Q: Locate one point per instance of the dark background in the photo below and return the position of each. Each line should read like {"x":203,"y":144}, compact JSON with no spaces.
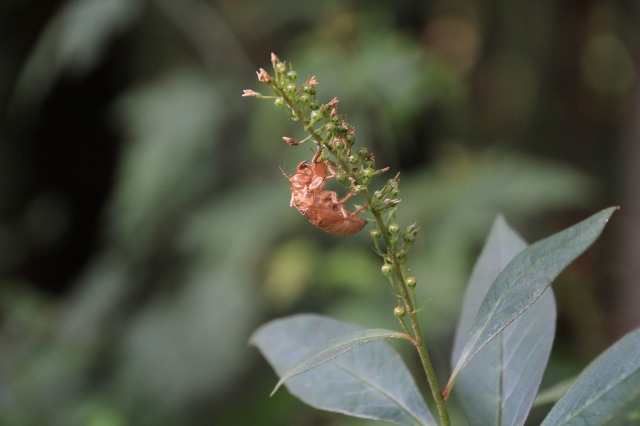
{"x":145,"y":229}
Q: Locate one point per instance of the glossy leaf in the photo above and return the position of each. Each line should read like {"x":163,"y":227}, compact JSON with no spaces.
{"x":524,"y":280}
{"x":499,"y":384}
{"x":369,"y":381}
{"x":607,"y":392}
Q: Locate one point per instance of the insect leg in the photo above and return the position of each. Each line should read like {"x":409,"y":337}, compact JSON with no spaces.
{"x":334,"y":197}
{"x":358,"y":210}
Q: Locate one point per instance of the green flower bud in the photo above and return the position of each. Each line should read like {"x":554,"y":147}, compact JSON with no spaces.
{"x":292,"y":75}
{"x":279,"y":102}
{"x":402,"y":256}
{"x":393,"y":228}
{"x":387,"y":270}
{"x":375,"y":233}
{"x":309,"y":88}
{"x":368,"y":173}
{"x":410,"y":234}
{"x":399,"y":311}
{"x":411,"y":282}
{"x":281,"y":67}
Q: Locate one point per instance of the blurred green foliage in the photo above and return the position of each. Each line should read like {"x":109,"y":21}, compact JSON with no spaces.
{"x":131,"y":164}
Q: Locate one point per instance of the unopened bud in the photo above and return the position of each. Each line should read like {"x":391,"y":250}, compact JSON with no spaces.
{"x":290,"y":141}
{"x":247,"y":92}
{"x":263,"y":76}
{"x":281,"y":67}
{"x":386,"y":270}
{"x":411,"y":281}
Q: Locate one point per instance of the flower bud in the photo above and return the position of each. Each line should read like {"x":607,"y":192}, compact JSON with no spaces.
{"x":315,"y":116}
{"x":263,"y":76}
{"x":247,"y":92}
{"x":411,"y":281}
{"x":368,"y":173}
{"x":393,"y":228}
{"x":281,"y":67}
{"x":410,"y":234}
{"x":290,"y":141}
{"x":308,"y":88}
{"x":399,"y":311}
{"x":387,"y":270}
{"x":351,"y":138}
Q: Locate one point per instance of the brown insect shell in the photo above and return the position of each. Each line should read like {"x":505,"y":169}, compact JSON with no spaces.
{"x":322,"y":208}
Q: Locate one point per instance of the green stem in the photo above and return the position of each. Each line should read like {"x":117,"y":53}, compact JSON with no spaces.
{"x":420,"y":343}
{"x":418,"y":338}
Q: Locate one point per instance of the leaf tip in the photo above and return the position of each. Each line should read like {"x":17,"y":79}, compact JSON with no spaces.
{"x":275,"y":389}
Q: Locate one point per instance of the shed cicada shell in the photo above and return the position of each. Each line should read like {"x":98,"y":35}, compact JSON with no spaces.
{"x":321,"y":207}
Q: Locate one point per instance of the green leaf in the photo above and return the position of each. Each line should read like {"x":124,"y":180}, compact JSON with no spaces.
{"x":333,"y":348}
{"x":500,"y":383}
{"x":553,"y":393}
{"x":607,"y":392}
{"x":369,"y":381}
{"x":524,"y":280}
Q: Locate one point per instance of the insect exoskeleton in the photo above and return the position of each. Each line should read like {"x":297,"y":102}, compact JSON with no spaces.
{"x":321,"y":207}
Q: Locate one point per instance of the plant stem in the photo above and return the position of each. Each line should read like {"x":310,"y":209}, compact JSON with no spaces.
{"x":420,"y":343}
{"x":427,"y":366}
{"x":418,"y":339}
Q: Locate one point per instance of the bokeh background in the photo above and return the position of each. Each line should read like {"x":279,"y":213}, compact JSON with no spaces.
{"x":145,"y":227}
